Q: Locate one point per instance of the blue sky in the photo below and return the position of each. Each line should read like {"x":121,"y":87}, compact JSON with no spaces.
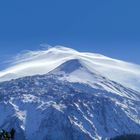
{"x":110,"y":27}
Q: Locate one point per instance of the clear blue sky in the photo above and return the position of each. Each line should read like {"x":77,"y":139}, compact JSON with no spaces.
{"x":110,"y":27}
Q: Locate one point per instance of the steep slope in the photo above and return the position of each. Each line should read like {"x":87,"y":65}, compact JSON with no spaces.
{"x":42,"y":62}
{"x":57,"y":106}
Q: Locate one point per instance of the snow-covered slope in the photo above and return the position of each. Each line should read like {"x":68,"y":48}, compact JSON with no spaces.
{"x":42,"y":62}
{"x":68,"y":95}
{"x":47,"y":107}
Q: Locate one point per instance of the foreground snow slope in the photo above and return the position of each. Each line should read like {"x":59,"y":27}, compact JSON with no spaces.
{"x":48,"y":107}
{"x":42,"y":62}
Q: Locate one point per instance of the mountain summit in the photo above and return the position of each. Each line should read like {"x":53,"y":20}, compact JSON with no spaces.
{"x":44,"y":61}
{"x":69,"y":66}
{"x":63,"y":94}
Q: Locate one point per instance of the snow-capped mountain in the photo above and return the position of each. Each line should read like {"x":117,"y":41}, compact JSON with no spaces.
{"x":62,"y":94}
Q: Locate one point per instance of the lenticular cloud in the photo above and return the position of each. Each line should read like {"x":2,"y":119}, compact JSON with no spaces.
{"x":43,"y":61}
